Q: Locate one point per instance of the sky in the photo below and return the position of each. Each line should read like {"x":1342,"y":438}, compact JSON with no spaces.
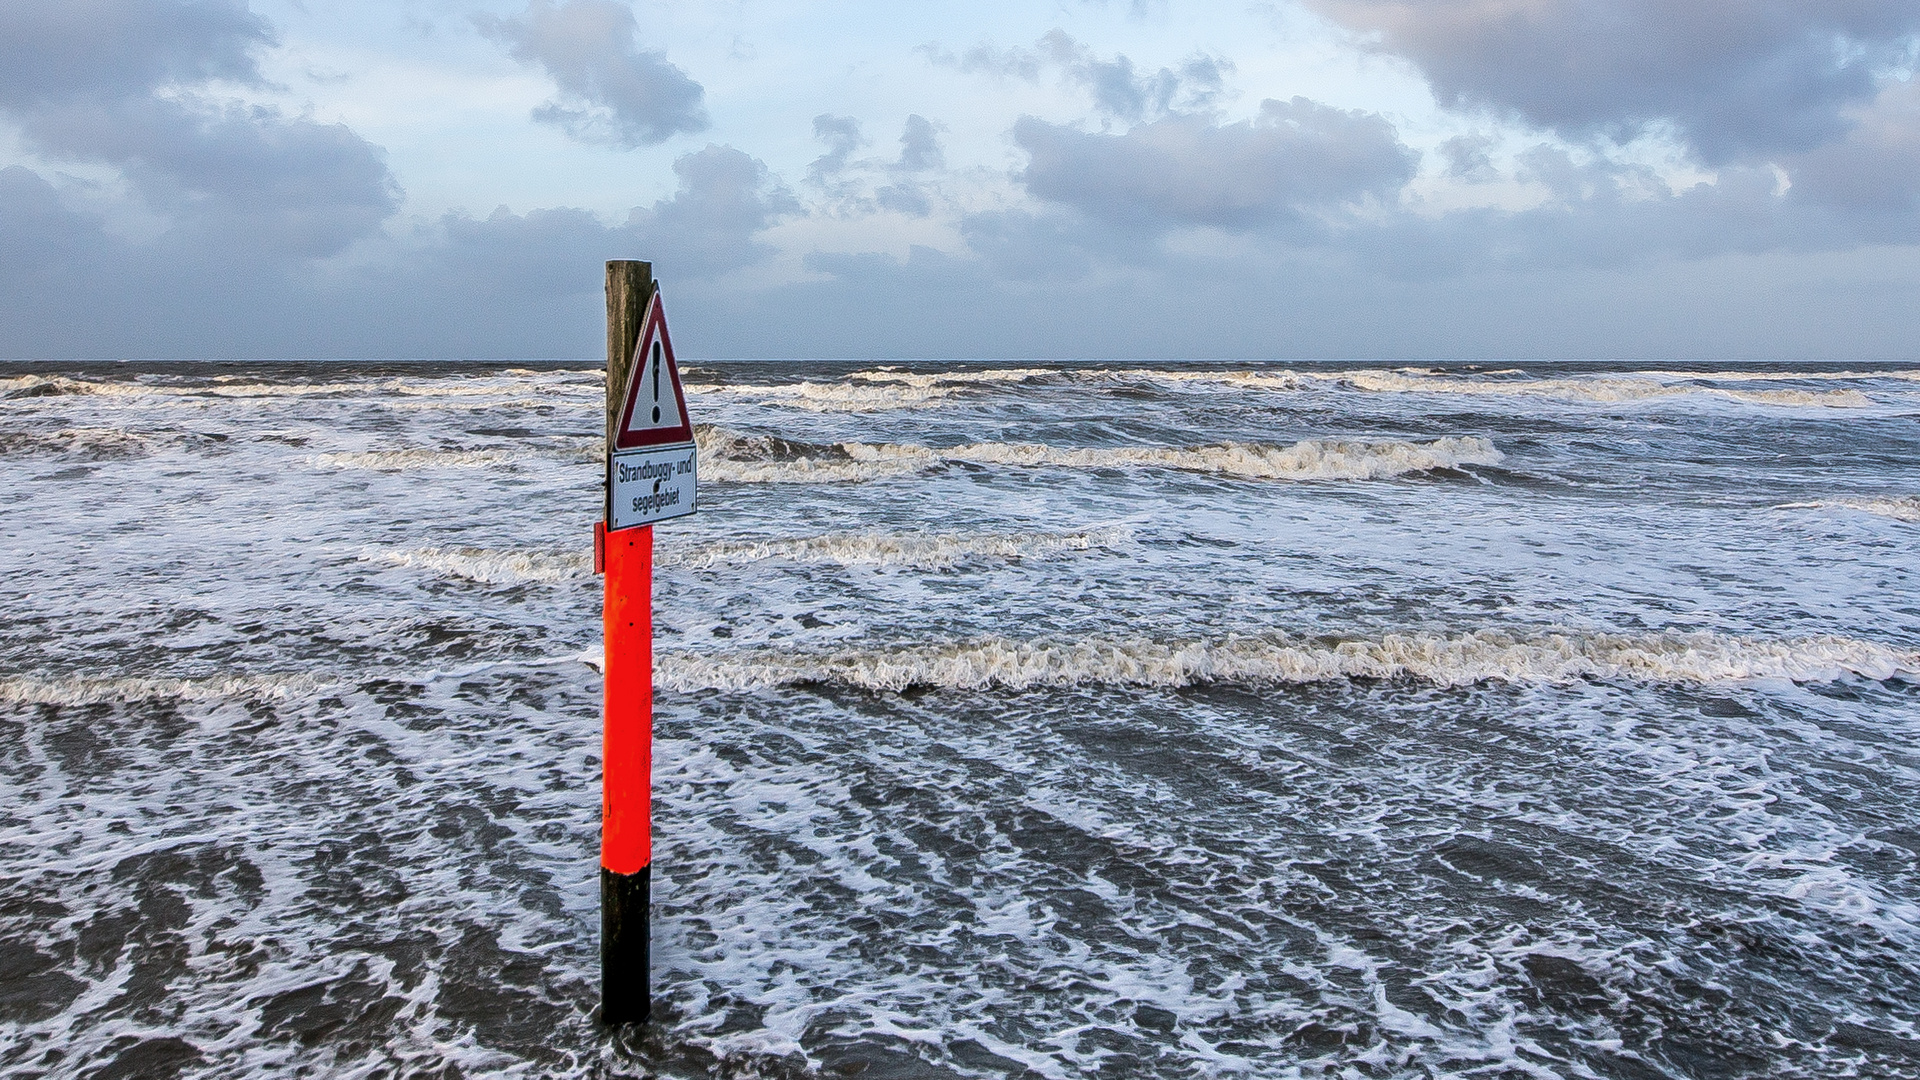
{"x":1285,"y":179}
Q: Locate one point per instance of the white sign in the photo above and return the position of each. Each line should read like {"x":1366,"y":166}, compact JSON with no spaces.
{"x":651,"y":484}
{"x":651,"y":466}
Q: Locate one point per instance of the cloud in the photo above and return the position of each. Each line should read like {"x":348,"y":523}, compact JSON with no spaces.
{"x":842,"y":136}
{"x":501,"y":285}
{"x":1117,"y":87}
{"x":612,"y":91}
{"x":1873,"y":173}
{"x":726,"y":196}
{"x":1737,"y":80}
{"x":55,"y":51}
{"x":1296,"y":160}
{"x":125,"y":84}
{"x":247,"y":178}
{"x":920,"y":146}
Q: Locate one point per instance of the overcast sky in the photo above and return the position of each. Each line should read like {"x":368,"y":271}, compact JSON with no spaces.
{"x":1419,"y":179}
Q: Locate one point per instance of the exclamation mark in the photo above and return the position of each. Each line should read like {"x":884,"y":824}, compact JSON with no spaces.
{"x":656,"y":382}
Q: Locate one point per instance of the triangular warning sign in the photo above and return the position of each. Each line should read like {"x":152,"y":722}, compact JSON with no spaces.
{"x":656,"y":409}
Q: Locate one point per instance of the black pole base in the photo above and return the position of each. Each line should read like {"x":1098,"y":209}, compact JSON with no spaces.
{"x":625,"y":995}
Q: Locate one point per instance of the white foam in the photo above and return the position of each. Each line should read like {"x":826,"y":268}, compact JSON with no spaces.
{"x":488,"y":566}
{"x":1610,"y":389}
{"x":877,"y":390}
{"x":925,"y":550}
{"x":1899,"y":508}
{"x":416,"y":458}
{"x":733,"y":456}
{"x":558,"y":384}
{"x":956,"y":378}
{"x":1463,"y":660}
{"x":93,"y":690}
{"x":1312,"y":459}
{"x":1737,"y":375}
{"x":828,"y":397}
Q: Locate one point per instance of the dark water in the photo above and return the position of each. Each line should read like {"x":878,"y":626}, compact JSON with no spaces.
{"x":1063,"y":721}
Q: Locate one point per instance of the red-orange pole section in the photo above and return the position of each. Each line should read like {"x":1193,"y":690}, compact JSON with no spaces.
{"x":626,"y":796}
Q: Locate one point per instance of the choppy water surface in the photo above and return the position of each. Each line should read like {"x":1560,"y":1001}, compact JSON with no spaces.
{"x":1059,"y":720}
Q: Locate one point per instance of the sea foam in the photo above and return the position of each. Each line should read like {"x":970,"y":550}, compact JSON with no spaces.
{"x":93,"y":690}
{"x":913,"y":549}
{"x":411,"y":458}
{"x":733,"y":456}
{"x":1462,"y":660}
{"x":1898,"y":507}
{"x":921,"y":550}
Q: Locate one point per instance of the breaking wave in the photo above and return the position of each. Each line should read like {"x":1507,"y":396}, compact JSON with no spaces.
{"x":923,"y":550}
{"x":1899,"y":508}
{"x":1597,"y":389}
{"x":487,"y":566}
{"x":93,"y":690}
{"x":828,"y":397}
{"x":87,"y":442}
{"x":512,"y":381}
{"x":733,"y":456}
{"x":394,"y":460}
{"x":1464,"y":660}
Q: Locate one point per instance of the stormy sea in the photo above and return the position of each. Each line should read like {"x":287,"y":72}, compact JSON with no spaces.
{"x":1012,"y":720}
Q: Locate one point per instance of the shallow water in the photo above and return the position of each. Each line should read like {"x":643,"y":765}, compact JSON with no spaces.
{"x":1049,"y":720}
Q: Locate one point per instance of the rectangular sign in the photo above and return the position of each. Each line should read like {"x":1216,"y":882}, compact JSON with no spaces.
{"x":650,"y":484}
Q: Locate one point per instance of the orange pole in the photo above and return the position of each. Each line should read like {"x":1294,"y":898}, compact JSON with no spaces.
{"x":626,"y":803}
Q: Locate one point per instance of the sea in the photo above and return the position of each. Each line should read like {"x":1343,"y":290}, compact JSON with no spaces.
{"x":1057,"y":720}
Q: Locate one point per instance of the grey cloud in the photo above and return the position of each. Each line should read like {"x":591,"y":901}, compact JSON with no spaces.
{"x":919,"y":152}
{"x":1296,"y":158}
{"x":612,"y":91}
{"x":726,"y":196}
{"x":512,"y":285}
{"x":842,"y":136}
{"x":1737,"y":79}
{"x":62,"y":50}
{"x":1117,"y":87}
{"x":1315,"y":303}
{"x":46,"y":243}
{"x":122,"y":83}
{"x":1467,"y":159}
{"x":1873,"y":172}
{"x":1023,"y":246}
{"x":906,"y":199}
{"x":250,"y":177}
{"x":920,"y":146}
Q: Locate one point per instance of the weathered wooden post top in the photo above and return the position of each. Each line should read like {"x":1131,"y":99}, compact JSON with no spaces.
{"x":651,"y":471}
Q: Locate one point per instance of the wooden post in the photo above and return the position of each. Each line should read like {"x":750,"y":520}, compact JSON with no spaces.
{"x":626,"y":797}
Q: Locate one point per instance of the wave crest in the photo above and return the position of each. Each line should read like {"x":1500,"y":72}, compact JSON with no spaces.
{"x":487,"y":566}
{"x":923,"y":550}
{"x":870,"y":391}
{"x":733,"y":456}
{"x":396,"y":460}
{"x":1898,"y":507}
{"x":1607,"y":390}
{"x":1463,"y":660}
{"x":92,"y":690}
